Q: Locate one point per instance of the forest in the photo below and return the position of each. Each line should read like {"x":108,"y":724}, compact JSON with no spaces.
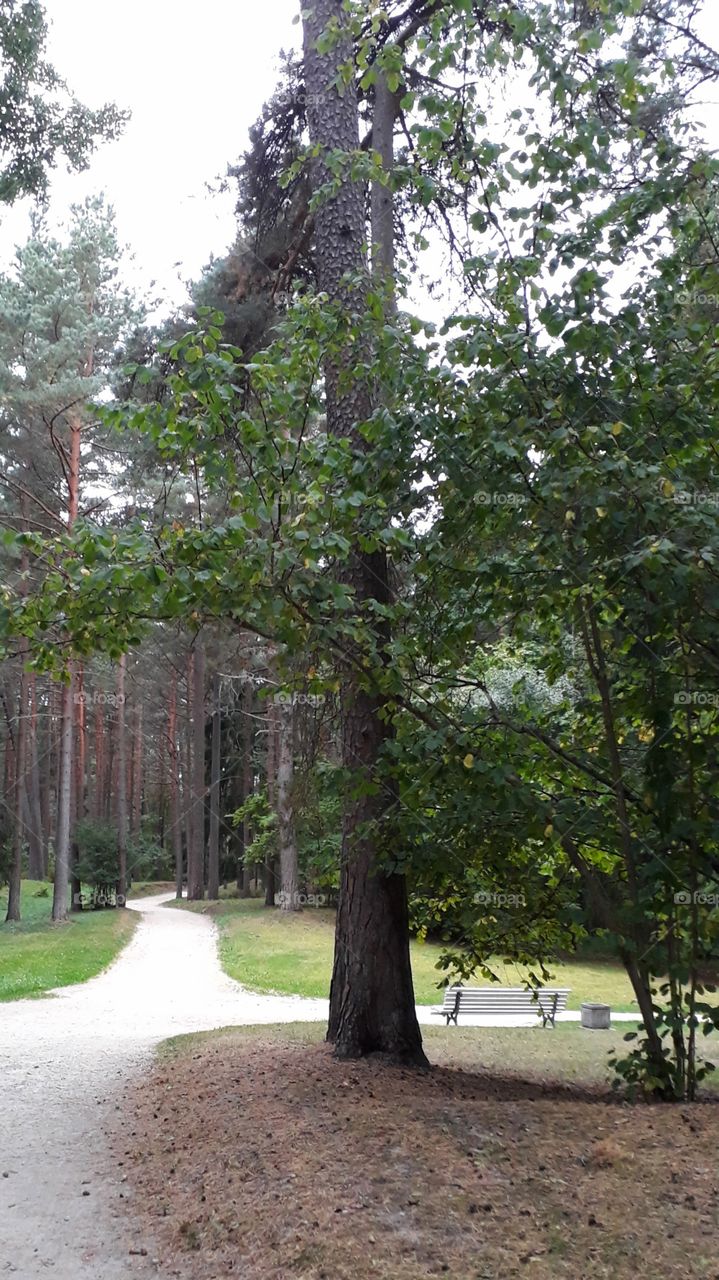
{"x":380,"y":578}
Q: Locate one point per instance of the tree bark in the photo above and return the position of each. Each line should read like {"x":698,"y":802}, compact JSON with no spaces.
{"x":122,"y":823}
{"x":371,"y":998}
{"x":173,"y":762}
{"x":137,"y":754}
{"x":289,"y":875}
{"x":271,"y":770}
{"x":77,"y":810}
{"x":36,"y":836}
{"x":13,"y":902}
{"x":196,"y":856}
{"x":98,"y":795}
{"x":64,"y":803}
{"x":213,"y":844}
{"x":244,"y":871}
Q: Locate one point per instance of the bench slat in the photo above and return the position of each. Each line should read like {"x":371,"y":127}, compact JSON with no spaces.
{"x":545,"y":1002}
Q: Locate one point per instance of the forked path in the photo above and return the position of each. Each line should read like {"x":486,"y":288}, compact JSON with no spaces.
{"x":62,"y":1061}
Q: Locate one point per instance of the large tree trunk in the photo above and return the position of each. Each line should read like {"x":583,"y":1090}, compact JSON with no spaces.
{"x":64,"y":804}
{"x":213,"y":843}
{"x":289,"y":875}
{"x":122,"y":823}
{"x":196,"y":854}
{"x":371,"y":999}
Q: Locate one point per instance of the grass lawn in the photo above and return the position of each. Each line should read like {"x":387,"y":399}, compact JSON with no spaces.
{"x":569,"y":1055}
{"x":510,"y":1159}
{"x":37,"y":955}
{"x":292,"y":954}
{"x":149,"y":888}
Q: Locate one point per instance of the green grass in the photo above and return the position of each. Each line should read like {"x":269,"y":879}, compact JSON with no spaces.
{"x":292,"y":954}
{"x":149,"y":888}
{"x":568,"y":1054}
{"x":37,"y":955}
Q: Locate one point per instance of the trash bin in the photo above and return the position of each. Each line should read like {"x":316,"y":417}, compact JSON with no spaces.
{"x":596,"y":1017}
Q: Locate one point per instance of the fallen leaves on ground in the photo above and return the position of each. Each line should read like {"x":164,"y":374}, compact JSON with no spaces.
{"x":265,"y":1158}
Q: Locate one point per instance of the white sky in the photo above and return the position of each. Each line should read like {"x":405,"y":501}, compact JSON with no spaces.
{"x":194,"y":77}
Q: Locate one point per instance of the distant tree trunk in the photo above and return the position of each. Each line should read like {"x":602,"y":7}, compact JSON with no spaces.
{"x":244,"y":871}
{"x":122,"y":823}
{"x":64,"y":804}
{"x":213,"y":846}
{"x":174,"y":788}
{"x":98,"y":793}
{"x":187,"y":770}
{"x":196,"y":856}
{"x":371,"y":998}
{"x":77,"y":811}
{"x":36,"y":836}
{"x":271,"y":768}
{"x":67,"y":714}
{"x":49,"y":778}
{"x":13,"y":902}
{"x":289,"y":876}
{"x":137,"y":756}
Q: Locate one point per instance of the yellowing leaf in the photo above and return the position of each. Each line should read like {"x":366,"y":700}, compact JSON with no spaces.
{"x":468,"y":761}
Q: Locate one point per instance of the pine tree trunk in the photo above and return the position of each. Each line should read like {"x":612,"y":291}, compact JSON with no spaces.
{"x":64,"y":804}
{"x":213,"y":846}
{"x":289,"y":875}
{"x":196,"y":855}
{"x":174,"y":787}
{"x":77,"y":809}
{"x":121,"y":794}
{"x":98,"y":797}
{"x":244,"y":872}
{"x":36,"y":835}
{"x":371,"y":998}
{"x":13,"y":902}
{"x":137,"y":756}
{"x":271,"y":768}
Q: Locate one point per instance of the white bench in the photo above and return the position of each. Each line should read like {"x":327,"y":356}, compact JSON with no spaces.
{"x":546,"y":1002}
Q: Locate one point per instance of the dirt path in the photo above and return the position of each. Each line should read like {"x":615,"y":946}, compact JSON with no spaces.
{"x":62,"y":1061}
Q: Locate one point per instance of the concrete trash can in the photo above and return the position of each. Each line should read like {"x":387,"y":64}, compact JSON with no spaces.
{"x":596,"y":1017}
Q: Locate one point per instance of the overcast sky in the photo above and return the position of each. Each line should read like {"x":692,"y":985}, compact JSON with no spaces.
{"x":194,"y":77}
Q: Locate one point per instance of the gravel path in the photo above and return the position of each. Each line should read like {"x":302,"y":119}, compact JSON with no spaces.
{"x":62,"y":1063}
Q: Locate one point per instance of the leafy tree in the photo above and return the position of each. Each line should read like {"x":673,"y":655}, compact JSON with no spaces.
{"x":39,"y":118}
